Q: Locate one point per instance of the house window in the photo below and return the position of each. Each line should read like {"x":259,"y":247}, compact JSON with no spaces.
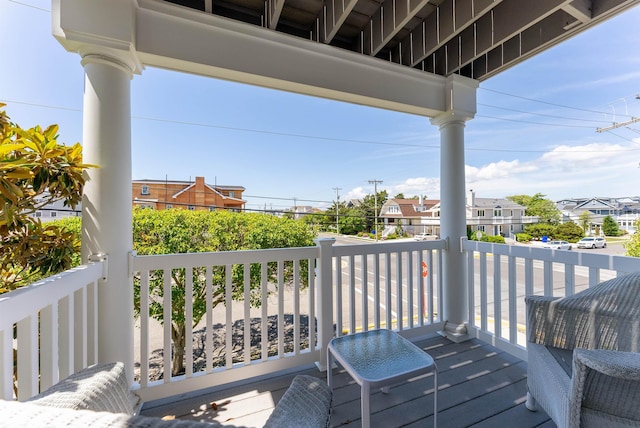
{"x":394,"y":209}
{"x":480,"y":213}
{"x":232,"y":194}
{"x":54,"y":214}
{"x":168,"y":206}
{"x":38,"y":214}
{"x":145,"y":190}
{"x":191,"y":207}
{"x":212,"y":208}
{"x":497,"y":213}
{"x":481,"y":228}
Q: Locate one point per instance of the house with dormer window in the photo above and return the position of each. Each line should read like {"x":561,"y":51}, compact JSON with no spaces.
{"x":413,"y":216}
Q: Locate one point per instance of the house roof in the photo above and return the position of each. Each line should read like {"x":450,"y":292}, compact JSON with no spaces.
{"x":409,"y":208}
{"x":495,"y":203}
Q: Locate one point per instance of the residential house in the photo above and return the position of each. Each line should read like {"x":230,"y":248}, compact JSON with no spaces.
{"x":625,"y":211}
{"x":413,"y":216}
{"x":55,"y":210}
{"x":492,"y":216}
{"x":191,"y":195}
{"x":496,"y":216}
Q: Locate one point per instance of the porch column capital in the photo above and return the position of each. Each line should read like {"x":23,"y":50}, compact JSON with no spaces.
{"x":460,"y":101}
{"x":98,"y":31}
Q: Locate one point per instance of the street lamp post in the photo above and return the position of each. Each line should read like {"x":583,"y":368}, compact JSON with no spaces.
{"x":375,"y":203}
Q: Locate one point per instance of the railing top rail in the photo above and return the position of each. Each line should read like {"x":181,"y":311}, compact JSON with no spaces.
{"x":388,"y":247}
{"x":578,"y":258}
{"x":18,"y":304}
{"x":157,"y":261}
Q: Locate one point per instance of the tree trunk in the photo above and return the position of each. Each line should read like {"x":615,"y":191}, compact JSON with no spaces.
{"x":178,"y":332}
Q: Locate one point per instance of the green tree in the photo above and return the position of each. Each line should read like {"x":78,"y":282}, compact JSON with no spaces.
{"x":537,"y":205}
{"x":585,"y":220}
{"x":367,"y":210}
{"x":633,"y":245}
{"x":539,"y":230}
{"x":35,"y":170}
{"x":568,"y":231}
{"x":183,"y":231}
{"x":610,"y":226}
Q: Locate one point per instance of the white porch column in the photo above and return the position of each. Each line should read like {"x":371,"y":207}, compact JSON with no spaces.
{"x":106,"y":205}
{"x":461,"y":101}
{"x":103,"y":34}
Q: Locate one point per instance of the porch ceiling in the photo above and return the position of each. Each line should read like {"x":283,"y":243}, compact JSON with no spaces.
{"x":473,"y":38}
{"x":393,"y":54}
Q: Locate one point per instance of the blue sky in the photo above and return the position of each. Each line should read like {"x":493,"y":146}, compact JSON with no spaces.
{"x":282,"y":146}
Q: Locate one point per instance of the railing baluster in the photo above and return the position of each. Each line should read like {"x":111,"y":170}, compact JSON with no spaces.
{"x":312,"y":305}
{"x":264,"y":321}
{"x":65,"y":336}
{"x":166,"y":318}
{"x":48,"y":346}
{"x":93,"y":310}
{"x":338,"y":295}
{"x":483,"y":292}
{"x":497,"y":296}
{"x":421,"y":288}
{"x":387,"y":290}
{"x":27,"y":341}
{"x":80,"y":330}
{"x":247,"y":313}
{"x":6,"y":362}
{"x":513,"y":293}
{"x":471,"y":288}
{"x":376,"y":286}
{"x":399,"y":290}
{"x":365,"y":292}
{"x":352,"y":295}
{"x":280,"y":309}
{"x":188,"y":318}
{"x":548,"y":278}
{"x":296,"y":307}
{"x":569,"y":279}
{"x":229,"y":318}
{"x":144,"y":328}
{"x":410,"y":289}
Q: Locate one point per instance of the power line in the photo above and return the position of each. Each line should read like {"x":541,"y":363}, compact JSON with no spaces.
{"x":543,"y":115}
{"x":547,"y":102}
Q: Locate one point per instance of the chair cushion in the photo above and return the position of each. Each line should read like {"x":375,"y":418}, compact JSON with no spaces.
{"x":305,"y":404}
{"x":102,"y":388}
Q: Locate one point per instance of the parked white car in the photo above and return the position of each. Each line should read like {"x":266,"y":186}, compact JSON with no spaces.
{"x":592,"y":242}
{"x":557,"y":245}
{"x":425,"y":237}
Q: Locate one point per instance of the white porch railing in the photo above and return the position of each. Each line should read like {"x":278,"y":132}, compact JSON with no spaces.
{"x":55,"y":322}
{"x":370,"y":286}
{"x":310,"y":294}
{"x":500,"y":276}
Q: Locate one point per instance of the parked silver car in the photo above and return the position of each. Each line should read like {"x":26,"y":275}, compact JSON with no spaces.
{"x":425,"y":237}
{"x":592,"y":242}
{"x":557,"y":245}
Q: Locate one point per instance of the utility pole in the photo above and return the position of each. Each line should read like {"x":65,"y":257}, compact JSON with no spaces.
{"x":619,"y":125}
{"x":337,"y":189}
{"x":375,"y":203}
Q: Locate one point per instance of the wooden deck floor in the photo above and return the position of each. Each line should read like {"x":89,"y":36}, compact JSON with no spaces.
{"x":479,"y":386}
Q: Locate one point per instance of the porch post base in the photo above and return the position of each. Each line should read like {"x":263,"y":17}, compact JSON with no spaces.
{"x":456,"y":333}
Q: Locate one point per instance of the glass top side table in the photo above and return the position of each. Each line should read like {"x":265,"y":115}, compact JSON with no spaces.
{"x":380,"y":359}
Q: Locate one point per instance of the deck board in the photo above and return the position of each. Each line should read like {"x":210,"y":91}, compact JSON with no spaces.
{"x":479,"y":386}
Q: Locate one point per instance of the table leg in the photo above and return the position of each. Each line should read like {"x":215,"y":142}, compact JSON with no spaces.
{"x":365,"y":410}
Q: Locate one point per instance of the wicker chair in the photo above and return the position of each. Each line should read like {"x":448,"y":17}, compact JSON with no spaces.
{"x":583,"y":355}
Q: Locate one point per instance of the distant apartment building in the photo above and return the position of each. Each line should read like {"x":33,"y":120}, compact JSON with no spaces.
{"x":187,"y":195}
{"x":625,"y":211}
